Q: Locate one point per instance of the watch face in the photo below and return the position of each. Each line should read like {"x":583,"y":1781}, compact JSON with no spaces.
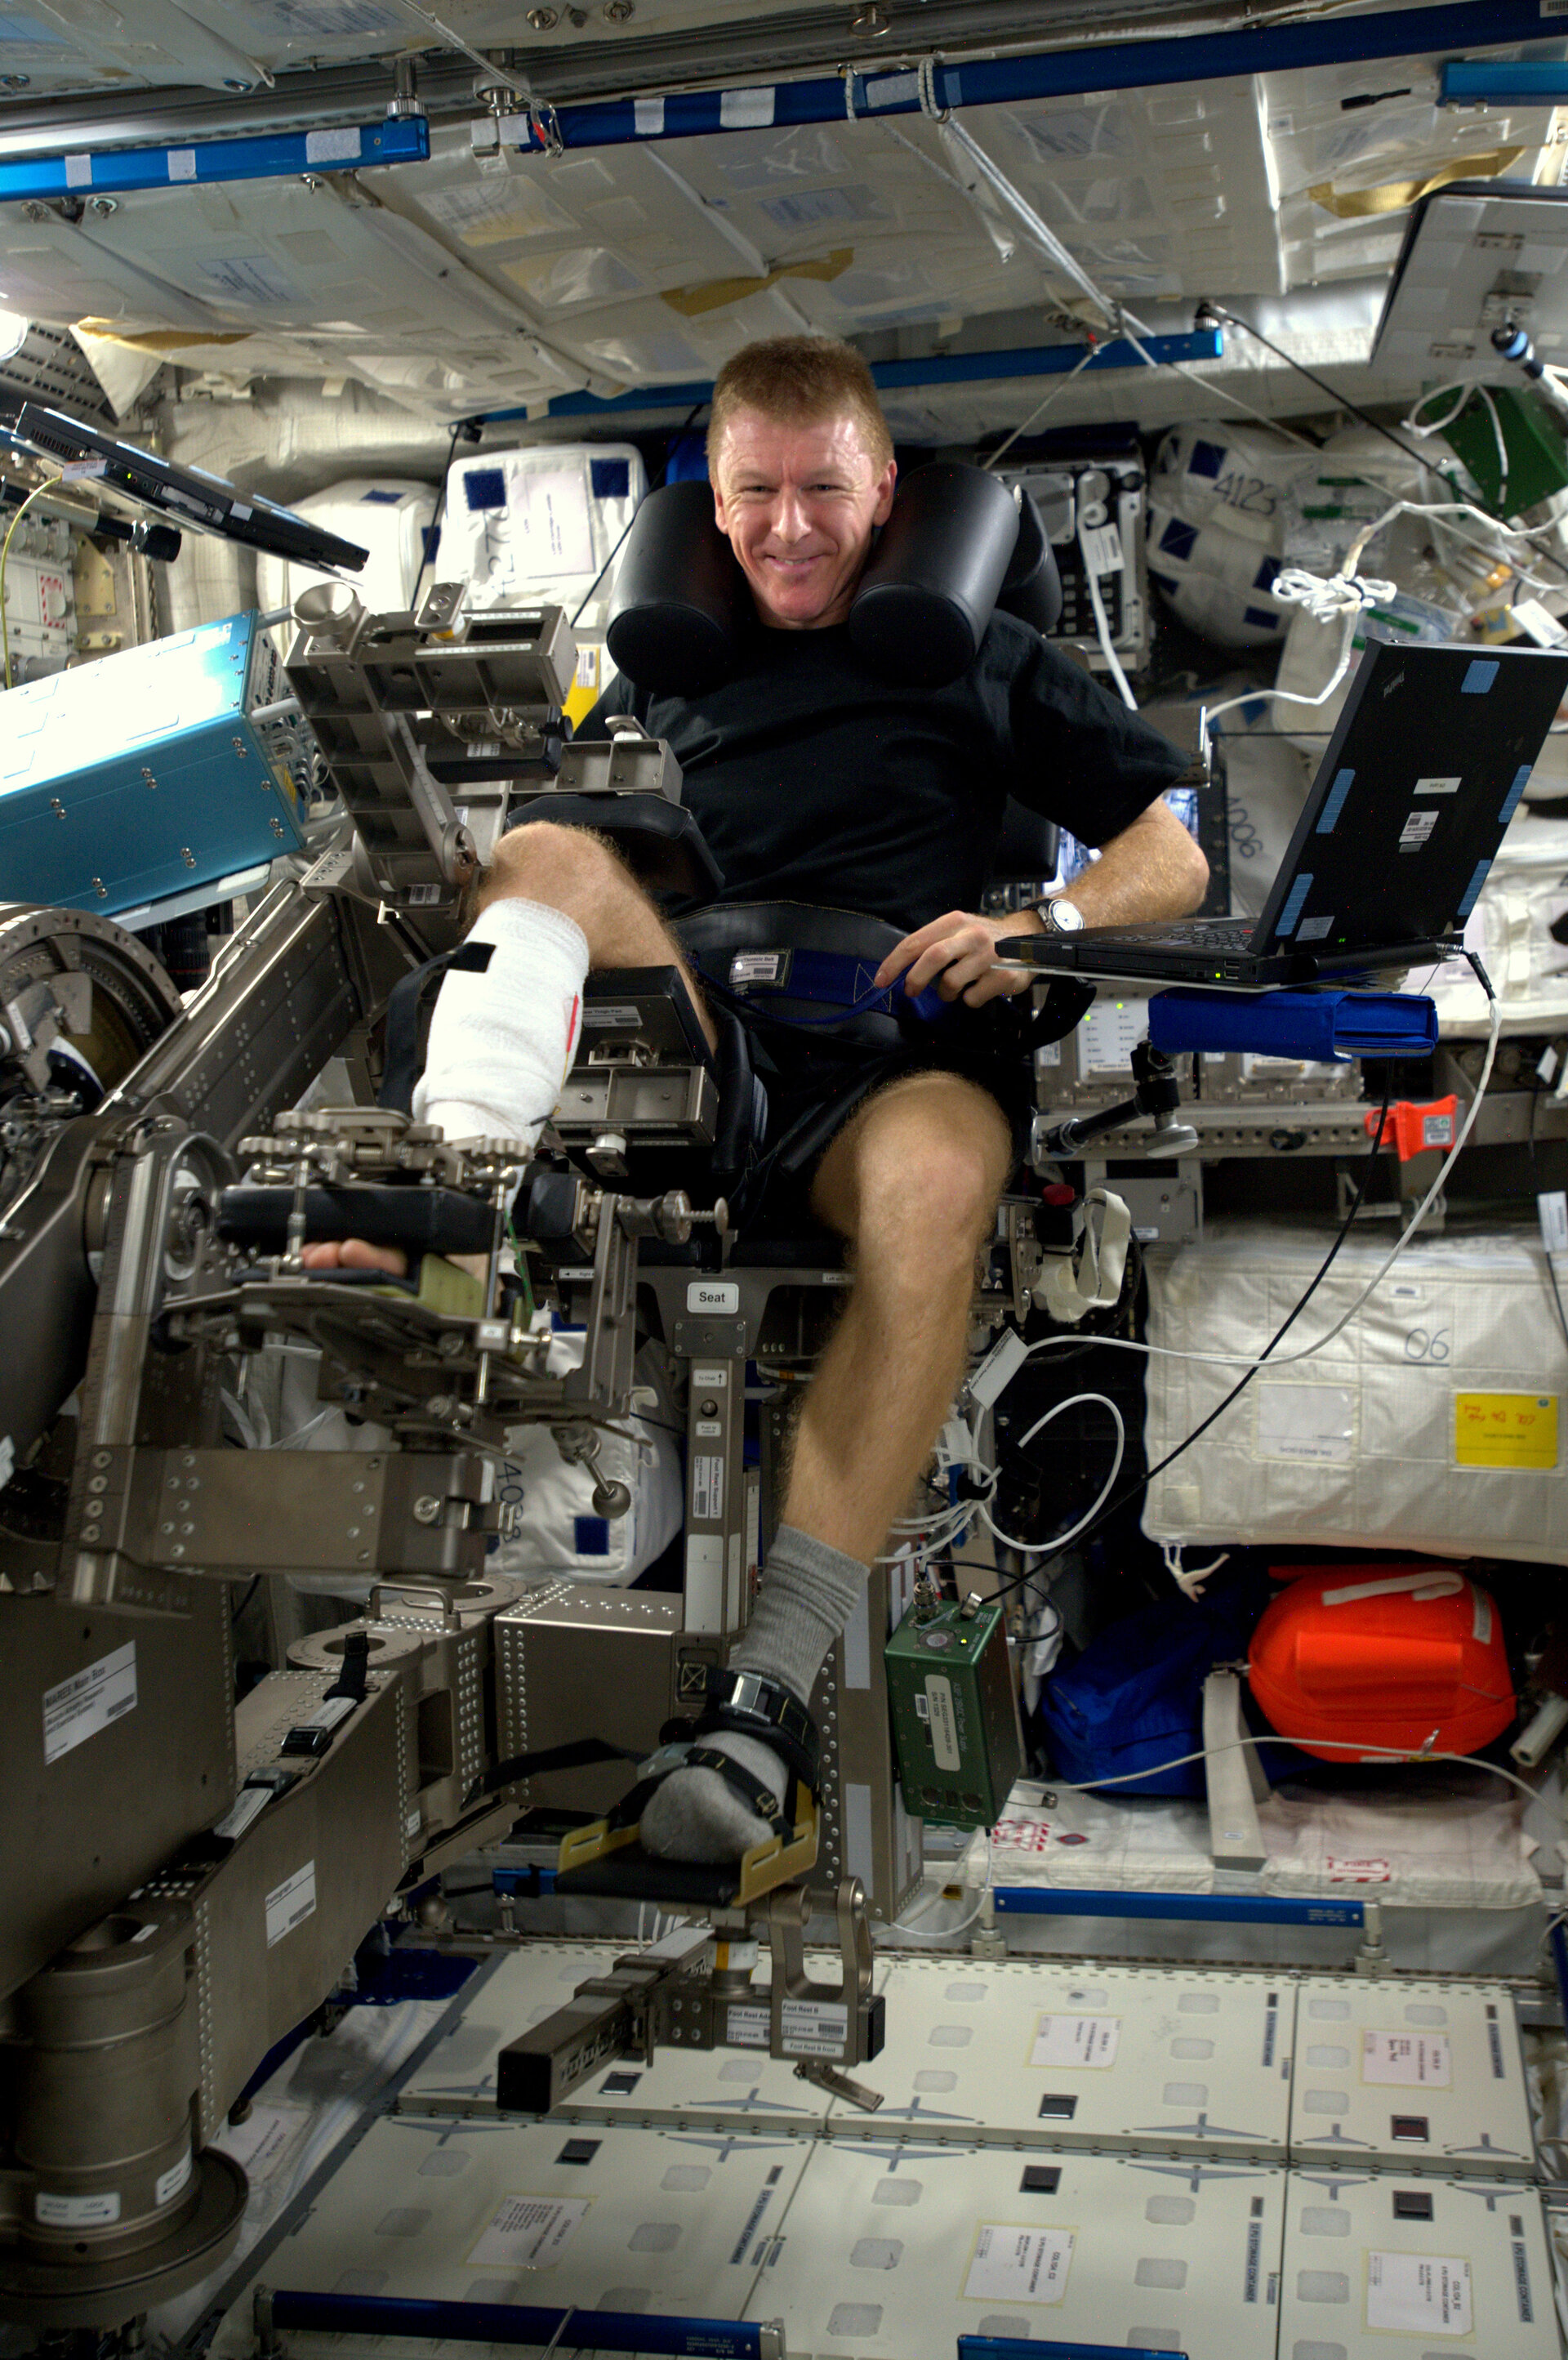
{"x":1064,"y":917}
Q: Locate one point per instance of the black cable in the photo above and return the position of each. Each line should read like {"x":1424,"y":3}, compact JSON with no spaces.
{"x":1113,"y":1507}
{"x":1343,"y":401}
{"x":432,"y":531}
{"x":663,"y":472}
{"x":245,"y":1601}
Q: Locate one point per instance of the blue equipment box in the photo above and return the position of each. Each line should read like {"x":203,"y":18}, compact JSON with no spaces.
{"x":1321,"y":1027}
{"x":145,"y":775}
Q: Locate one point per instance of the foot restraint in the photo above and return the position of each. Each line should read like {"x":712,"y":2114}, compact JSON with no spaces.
{"x":750,"y":1705}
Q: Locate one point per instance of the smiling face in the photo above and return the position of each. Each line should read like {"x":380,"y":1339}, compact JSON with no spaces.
{"x":797,"y":504}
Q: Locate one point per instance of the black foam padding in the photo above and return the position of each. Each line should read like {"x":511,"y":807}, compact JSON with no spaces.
{"x":931,"y":587}
{"x":1031,"y":588}
{"x":421,"y":1220}
{"x":681,"y":608}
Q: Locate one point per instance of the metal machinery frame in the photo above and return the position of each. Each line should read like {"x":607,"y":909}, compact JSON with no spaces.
{"x":182,"y":1884}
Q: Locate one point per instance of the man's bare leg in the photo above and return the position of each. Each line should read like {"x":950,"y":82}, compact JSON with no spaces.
{"x":583,"y":877}
{"x":912,"y":1183}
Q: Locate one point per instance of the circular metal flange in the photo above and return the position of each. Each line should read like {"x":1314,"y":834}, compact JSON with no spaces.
{"x":106,"y":2294}
{"x":132,"y":998}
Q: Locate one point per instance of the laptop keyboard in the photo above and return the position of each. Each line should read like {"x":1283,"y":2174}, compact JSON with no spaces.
{"x":1190,"y":934}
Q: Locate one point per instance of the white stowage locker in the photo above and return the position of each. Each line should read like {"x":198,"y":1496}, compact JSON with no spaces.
{"x":1425,"y":2270}
{"x":1410,"y":2078}
{"x":1431,"y":1422}
{"x":1033,"y":2054}
{"x":388,"y":517}
{"x":537,"y":526}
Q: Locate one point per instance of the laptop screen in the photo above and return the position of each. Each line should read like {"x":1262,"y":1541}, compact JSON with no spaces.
{"x":1423,"y":773}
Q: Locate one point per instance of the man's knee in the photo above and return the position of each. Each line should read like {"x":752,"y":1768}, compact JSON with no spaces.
{"x":931,"y":1166}
{"x":544,"y":861}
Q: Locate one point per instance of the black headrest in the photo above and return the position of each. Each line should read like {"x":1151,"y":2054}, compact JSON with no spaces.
{"x":955,"y":547}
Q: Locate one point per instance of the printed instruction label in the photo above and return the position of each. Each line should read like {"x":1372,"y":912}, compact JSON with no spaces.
{"x":746,"y":2026}
{"x":941,"y":1722}
{"x":1513,"y":1430}
{"x":814,"y":2028}
{"x":77,"y":2211}
{"x":708,"y":1486}
{"x":290,"y":1903}
{"x":710,"y":1380}
{"x":1416,"y":830}
{"x":530,"y":2233}
{"x":172,"y":2181}
{"x":1088,"y":2041}
{"x":1436,"y":787}
{"x":1552,"y":1206}
{"x":1014,"y":2264}
{"x":1418,"y":2294}
{"x":1407,"y":2059}
{"x":79,"y":1707}
{"x":1102,"y":548}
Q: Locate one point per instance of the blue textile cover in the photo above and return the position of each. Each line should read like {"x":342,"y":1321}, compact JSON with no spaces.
{"x":1326,"y":1027}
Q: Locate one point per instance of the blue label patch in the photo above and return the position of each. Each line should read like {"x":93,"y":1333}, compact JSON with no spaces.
{"x":1343,"y":781}
{"x":1178,"y":539}
{"x":484,"y":487}
{"x":379,"y":499}
{"x":1266,"y":574}
{"x":1206,"y":459}
{"x":1294,"y":906}
{"x":1480,"y":676}
{"x":591,"y":1534}
{"x":1473,"y":891}
{"x":1261,"y":619}
{"x":1511,"y":801}
{"x":610,"y":479}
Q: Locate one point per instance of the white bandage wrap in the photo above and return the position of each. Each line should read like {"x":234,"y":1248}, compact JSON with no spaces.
{"x":502,"y":1042}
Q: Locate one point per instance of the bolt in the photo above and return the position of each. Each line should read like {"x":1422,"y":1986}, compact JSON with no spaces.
{"x":542,"y":19}
{"x":427,"y":1508}
{"x":619,"y":12}
{"x":15,"y":82}
{"x":104,"y":207}
{"x":100,"y":1459}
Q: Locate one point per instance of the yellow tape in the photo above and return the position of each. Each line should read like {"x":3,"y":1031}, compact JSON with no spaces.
{"x":1505,"y":1430}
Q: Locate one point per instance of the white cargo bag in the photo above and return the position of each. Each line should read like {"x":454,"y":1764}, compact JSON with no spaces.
{"x":1434,"y":1421}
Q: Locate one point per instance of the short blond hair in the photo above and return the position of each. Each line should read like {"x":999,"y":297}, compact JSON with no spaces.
{"x":797,"y":381}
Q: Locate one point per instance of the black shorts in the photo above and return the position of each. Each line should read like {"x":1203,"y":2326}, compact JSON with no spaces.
{"x":815,"y":1082}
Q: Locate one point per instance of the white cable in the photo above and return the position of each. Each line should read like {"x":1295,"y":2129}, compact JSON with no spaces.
{"x":1287,"y":696}
{"x":945,"y":1933}
{"x":1375,"y":1753}
{"x":1062,"y":1540}
{"x":1040,"y":408}
{"x":1102,"y":626}
{"x":1209,"y":386}
{"x":1286,"y":1360}
{"x":1413,"y":425}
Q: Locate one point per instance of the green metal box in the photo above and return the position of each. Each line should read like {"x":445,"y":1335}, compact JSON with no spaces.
{"x":955,"y":1716}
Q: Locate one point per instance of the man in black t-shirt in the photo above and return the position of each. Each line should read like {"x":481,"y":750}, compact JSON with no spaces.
{"x":816,"y":781}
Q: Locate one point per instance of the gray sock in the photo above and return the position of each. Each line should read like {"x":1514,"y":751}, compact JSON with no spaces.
{"x":805,"y":1595}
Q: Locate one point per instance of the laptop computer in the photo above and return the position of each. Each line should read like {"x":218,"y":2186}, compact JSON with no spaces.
{"x":186,"y":496}
{"x":1400,"y":825}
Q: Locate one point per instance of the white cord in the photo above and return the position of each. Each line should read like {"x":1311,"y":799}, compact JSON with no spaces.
{"x":1040,"y":408}
{"x":1102,"y":626}
{"x":1190,"y":1578}
{"x":1209,"y":386}
{"x":1376,"y":1753}
{"x":1062,"y":1540}
{"x":945,"y":1933}
{"x":1285,"y":1360}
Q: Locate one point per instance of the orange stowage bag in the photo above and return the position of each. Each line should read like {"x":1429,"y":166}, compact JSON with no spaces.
{"x":1351,"y":1660}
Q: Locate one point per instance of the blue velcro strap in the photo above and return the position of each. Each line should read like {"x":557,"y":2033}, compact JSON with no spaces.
{"x":1321,"y":1027}
{"x":846,"y":984}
